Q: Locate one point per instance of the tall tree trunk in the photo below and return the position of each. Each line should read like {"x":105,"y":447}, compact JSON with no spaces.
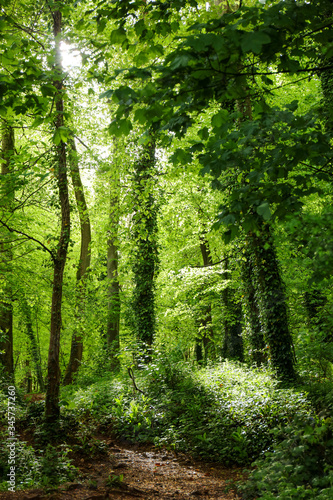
{"x":35,"y":354}
{"x":52,"y":410}
{"x":273,"y":304}
{"x":257,"y":352}
{"x":232,"y":343}
{"x":204,"y":340}
{"x":112,"y":269}
{"x":84,"y":263}
{"x":6,"y":305}
{"x":146,"y":254}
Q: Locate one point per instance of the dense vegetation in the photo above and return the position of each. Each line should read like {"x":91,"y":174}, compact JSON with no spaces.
{"x":166,"y":234}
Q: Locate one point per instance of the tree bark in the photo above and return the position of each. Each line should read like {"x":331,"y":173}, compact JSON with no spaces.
{"x":232,"y":343}
{"x":204,"y":339}
{"x":146,"y":254}
{"x":113,"y":318}
{"x":33,"y":342}
{"x":273,"y":304}
{"x":84,"y":264}
{"x":6,"y":305}
{"x":257,"y":352}
{"x":52,"y":411}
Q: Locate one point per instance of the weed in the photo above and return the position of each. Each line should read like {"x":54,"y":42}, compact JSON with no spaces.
{"x":114,"y":480}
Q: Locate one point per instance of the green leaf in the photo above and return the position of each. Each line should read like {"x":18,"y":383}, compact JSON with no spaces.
{"x":61,"y":134}
{"x":180,"y":61}
{"x":101,"y":25}
{"x":253,"y":41}
{"x":264,"y":210}
{"x":220,"y":118}
{"x":108,"y":94}
{"x":38,"y":121}
{"x":203,"y":133}
{"x":118,"y":36}
{"x":120,"y":127}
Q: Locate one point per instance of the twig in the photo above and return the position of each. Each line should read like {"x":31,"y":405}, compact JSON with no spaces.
{"x":12,"y":230}
{"x":131,"y":374}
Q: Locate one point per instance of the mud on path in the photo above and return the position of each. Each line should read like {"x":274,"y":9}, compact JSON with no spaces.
{"x":141,"y":472}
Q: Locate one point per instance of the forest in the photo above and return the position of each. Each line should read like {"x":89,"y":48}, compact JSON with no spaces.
{"x":166,"y":249}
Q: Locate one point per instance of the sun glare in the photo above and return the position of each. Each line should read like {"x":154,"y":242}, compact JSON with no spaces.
{"x":71,"y":57}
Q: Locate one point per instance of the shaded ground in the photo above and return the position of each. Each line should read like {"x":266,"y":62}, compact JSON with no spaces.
{"x":141,"y":472}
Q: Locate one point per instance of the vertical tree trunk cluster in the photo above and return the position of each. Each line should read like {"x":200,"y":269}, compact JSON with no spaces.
{"x":145,"y":240}
{"x":52,"y":410}
{"x":6,"y":304}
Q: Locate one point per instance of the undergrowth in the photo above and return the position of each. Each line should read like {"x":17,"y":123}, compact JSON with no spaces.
{"x":222,"y":413}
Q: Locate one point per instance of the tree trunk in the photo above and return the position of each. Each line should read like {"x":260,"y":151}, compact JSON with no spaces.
{"x":232,"y":343}
{"x":204,"y":339}
{"x":146,"y":254}
{"x":52,"y":410}
{"x":33,"y":342}
{"x":84,"y":263}
{"x":113,"y":318}
{"x":6,"y":305}
{"x":273,"y":304}
{"x":257,"y":352}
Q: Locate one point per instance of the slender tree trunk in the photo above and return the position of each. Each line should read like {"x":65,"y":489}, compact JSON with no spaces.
{"x":33,"y":342}
{"x":113,"y":318}
{"x":28,"y":376}
{"x":52,"y":410}
{"x":232,"y":343}
{"x":6,"y":304}
{"x":273,"y":304}
{"x":204,"y":340}
{"x":84,"y":264}
{"x":252,"y":312}
{"x":146,"y":254}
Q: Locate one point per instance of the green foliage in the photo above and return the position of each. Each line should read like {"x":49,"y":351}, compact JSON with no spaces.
{"x":35,"y":468}
{"x":114,"y":480}
{"x":223,"y":413}
{"x":299,"y":466}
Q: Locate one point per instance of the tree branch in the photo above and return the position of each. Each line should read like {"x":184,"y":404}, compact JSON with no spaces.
{"x":12,"y":230}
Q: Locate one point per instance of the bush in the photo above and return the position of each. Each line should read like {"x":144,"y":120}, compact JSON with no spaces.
{"x":299,"y":467}
{"x":37,"y":468}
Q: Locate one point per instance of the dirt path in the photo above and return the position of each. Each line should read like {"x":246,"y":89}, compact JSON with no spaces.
{"x":141,"y":472}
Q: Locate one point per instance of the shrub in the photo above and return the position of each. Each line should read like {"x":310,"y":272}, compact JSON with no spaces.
{"x":299,"y":467}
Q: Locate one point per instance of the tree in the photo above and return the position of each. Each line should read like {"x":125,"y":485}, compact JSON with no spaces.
{"x":6,"y":298}
{"x":83,"y":266}
{"x":144,"y":237}
{"x":52,"y":410}
{"x":113,"y":317}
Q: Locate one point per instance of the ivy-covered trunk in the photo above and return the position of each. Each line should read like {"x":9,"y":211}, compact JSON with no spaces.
{"x":52,"y":410}
{"x":34,"y":348}
{"x":273,"y":303}
{"x":204,"y":339}
{"x":256,"y":339}
{"x":84,"y":264}
{"x":145,"y":241}
{"x":6,"y":304}
{"x":113,"y":318}
{"x":232,"y":328}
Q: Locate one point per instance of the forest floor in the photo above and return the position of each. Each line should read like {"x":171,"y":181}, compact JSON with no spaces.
{"x":140,"y":472}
